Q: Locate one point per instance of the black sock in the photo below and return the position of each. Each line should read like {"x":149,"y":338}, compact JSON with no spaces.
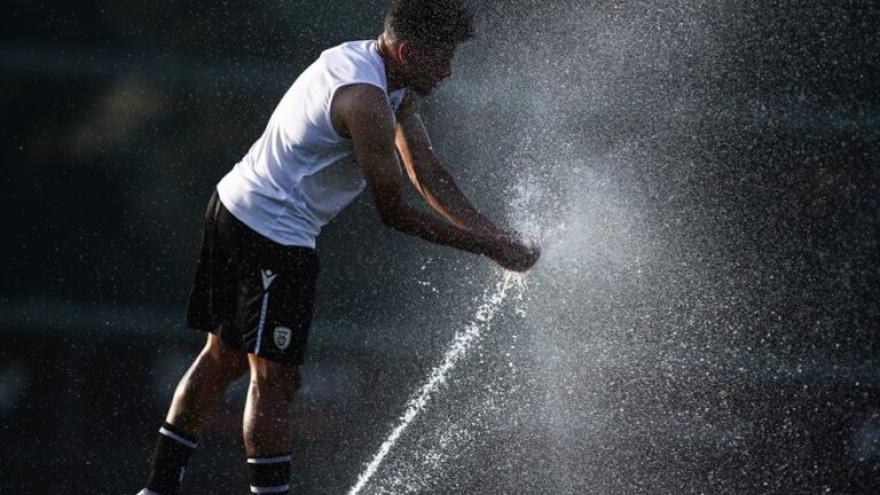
{"x":168,"y":463}
{"x":270,"y":474}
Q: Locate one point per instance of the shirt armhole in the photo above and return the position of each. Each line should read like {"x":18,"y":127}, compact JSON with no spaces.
{"x":329,"y":112}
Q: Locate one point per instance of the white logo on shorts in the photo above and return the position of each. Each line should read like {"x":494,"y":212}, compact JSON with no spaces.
{"x":282,"y":337}
{"x":268,"y":277}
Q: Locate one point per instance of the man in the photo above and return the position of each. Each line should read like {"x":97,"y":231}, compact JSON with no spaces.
{"x":333,"y":134}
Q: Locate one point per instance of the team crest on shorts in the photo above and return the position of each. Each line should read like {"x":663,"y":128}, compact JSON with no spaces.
{"x":282,"y":337}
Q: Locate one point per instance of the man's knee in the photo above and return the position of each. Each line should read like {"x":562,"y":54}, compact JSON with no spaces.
{"x":230,"y":363}
{"x":274,"y":379}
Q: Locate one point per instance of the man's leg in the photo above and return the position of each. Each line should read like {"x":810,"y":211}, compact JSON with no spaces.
{"x":215,"y":368}
{"x":266,"y":427}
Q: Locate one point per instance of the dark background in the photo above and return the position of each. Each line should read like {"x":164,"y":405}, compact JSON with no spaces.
{"x":732,"y":144}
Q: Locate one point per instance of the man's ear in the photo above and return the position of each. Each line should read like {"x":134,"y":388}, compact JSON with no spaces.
{"x":403,"y":51}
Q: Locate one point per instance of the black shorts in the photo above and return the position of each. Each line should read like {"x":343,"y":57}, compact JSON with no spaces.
{"x":255,"y":294}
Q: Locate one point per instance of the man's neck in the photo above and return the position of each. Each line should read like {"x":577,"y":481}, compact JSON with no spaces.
{"x":385,"y":51}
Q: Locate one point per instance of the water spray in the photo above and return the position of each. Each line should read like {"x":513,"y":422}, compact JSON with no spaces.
{"x":463,"y":341}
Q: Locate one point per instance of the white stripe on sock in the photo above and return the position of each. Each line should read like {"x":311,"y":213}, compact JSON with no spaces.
{"x":175,"y":436}
{"x":270,"y":489}
{"x":263,"y":310}
{"x":269,"y":460}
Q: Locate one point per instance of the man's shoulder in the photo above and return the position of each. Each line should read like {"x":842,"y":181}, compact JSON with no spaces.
{"x":362,"y":97}
{"x":351,"y":46}
{"x":353,"y":62}
{"x":362,"y":106}
{"x":355,"y":51}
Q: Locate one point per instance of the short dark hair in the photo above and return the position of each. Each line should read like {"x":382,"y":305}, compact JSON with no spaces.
{"x":430,"y":22}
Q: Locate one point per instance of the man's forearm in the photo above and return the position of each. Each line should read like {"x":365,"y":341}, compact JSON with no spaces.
{"x":441,"y":192}
{"x":414,"y":222}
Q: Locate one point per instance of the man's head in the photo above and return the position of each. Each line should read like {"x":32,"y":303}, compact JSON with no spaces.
{"x":422,"y":36}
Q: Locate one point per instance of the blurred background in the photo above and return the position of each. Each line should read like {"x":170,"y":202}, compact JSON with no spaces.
{"x":703,"y":177}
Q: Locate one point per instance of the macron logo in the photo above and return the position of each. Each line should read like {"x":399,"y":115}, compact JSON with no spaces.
{"x":268,"y":277}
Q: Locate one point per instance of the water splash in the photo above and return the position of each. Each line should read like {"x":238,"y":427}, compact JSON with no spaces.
{"x":463,"y":341}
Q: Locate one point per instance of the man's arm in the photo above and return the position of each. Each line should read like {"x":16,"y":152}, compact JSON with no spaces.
{"x":430,"y":178}
{"x":362,"y":112}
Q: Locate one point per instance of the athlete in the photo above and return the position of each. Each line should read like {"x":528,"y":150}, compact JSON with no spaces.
{"x":343,"y":126}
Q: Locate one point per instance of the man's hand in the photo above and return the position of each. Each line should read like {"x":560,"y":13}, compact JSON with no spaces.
{"x":513,"y":253}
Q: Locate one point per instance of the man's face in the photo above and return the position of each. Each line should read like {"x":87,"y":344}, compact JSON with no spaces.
{"x":428,"y":66}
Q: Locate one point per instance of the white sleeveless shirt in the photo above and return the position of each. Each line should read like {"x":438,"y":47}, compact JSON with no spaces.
{"x":301,"y":173}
